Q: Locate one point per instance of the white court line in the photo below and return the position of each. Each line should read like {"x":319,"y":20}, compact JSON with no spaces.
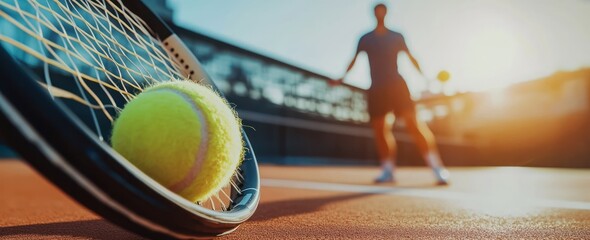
{"x":422,"y":193}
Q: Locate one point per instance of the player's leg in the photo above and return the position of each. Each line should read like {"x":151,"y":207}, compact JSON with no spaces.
{"x":386,"y":148}
{"x":426,"y":144}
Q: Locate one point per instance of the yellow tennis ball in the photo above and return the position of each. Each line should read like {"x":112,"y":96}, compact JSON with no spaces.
{"x":183,"y":135}
{"x":443,"y":76}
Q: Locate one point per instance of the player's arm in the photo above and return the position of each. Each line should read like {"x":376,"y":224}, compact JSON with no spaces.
{"x":414,"y":61}
{"x":350,"y":65}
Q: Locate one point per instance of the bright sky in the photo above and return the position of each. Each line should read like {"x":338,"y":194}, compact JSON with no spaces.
{"x":483,"y":43}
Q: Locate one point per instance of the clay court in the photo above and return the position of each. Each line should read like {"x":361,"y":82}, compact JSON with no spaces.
{"x":497,"y":91}
{"x":340,"y":203}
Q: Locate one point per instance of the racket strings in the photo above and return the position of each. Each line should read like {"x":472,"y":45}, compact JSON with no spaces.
{"x":96,"y":42}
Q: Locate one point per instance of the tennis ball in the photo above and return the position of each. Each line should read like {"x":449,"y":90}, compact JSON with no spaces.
{"x":183,"y":135}
{"x":443,"y":76}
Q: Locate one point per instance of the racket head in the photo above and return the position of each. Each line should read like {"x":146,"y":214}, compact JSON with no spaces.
{"x":44,"y":124}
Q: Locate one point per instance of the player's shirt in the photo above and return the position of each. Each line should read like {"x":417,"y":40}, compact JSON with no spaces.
{"x":382,"y":51}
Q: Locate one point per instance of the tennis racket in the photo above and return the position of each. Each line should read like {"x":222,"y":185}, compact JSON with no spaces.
{"x":68,"y":67}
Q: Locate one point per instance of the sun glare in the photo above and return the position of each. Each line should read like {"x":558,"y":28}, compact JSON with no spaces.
{"x":493,"y":57}
{"x":511,"y":194}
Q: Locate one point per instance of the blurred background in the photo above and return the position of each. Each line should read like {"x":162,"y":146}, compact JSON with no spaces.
{"x":519,"y":92}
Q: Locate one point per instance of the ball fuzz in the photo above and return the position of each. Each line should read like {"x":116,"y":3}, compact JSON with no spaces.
{"x":183,"y":135}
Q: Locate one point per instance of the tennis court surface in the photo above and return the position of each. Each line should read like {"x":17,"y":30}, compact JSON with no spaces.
{"x":341,"y":203}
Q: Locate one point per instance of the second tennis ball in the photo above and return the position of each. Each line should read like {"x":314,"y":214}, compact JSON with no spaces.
{"x":183,"y":135}
{"x":443,"y":76}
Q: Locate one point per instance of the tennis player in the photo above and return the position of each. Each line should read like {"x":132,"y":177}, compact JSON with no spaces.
{"x":389,"y":93}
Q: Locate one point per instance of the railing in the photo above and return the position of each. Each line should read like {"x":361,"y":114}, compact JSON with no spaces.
{"x":243,"y":75}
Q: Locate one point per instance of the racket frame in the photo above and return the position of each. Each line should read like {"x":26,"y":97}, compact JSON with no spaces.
{"x":64,"y":150}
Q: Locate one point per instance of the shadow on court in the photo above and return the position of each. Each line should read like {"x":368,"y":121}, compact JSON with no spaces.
{"x":272,"y":210}
{"x":89,"y":229}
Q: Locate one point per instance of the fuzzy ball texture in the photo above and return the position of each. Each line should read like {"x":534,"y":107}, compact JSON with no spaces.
{"x":183,"y":135}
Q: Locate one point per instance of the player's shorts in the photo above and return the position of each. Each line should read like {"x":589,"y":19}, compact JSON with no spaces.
{"x":394,"y":98}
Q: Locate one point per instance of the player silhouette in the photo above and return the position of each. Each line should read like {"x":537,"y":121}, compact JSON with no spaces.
{"x":389,"y":93}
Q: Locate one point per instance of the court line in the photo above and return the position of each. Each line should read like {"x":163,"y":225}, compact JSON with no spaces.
{"x":422,"y":193}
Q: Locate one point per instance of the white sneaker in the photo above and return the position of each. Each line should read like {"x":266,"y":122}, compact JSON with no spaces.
{"x":385,"y":177}
{"x":442,"y":176}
